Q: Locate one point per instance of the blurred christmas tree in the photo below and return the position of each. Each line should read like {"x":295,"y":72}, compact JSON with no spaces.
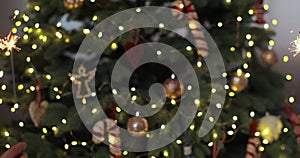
{"x":51,"y":33}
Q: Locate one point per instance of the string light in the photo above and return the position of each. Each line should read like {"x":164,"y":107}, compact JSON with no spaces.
{"x":230,"y":133}
{"x":36,"y":8}
{"x":162,"y":25}
{"x":192,"y":127}
{"x":95,"y":17}
{"x":94,"y":111}
{"x":288,"y":77}
{"x":251,"y":12}
{"x":64,"y":121}
{"x":7,"y":146}
{"x":138,"y":10}
{"x":199,"y":114}
{"x":239,"y":18}
{"x":285,"y":59}
{"x":166,"y":153}
{"x":199,"y":64}
{"x":252,"y":114}
{"x":1,"y":73}
{"x":178,"y":141}
{"x":58,"y":35}
{"x":274,"y":22}
{"x":220,"y":24}
{"x":114,"y":46}
{"x":21,"y":124}
{"x":118,"y":109}
{"x":125,"y":153}
{"x":188,"y":48}
{"x":291,"y":100}
{"x":266,"y":26}
{"x":66,"y":146}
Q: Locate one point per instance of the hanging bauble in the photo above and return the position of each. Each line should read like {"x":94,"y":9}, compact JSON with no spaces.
{"x":73,"y":4}
{"x":37,"y":111}
{"x":259,"y":12}
{"x":137,"y":126}
{"x":269,"y":57}
{"x":270,"y":127}
{"x":173,"y":88}
{"x":239,"y":81}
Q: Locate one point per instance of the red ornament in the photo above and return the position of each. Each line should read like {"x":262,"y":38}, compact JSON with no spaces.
{"x":291,"y":114}
{"x":259,"y":12}
{"x":135,"y":57}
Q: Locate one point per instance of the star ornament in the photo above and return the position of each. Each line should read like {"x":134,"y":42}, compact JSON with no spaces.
{"x":9,"y":42}
{"x":295,"y":48}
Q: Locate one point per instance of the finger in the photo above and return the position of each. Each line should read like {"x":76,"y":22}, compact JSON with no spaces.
{"x":24,"y":155}
{"x":15,"y":150}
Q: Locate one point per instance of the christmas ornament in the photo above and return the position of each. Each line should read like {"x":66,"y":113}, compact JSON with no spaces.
{"x":259,"y":12}
{"x":134,"y":57}
{"x":239,"y":81}
{"x":37,"y":111}
{"x":73,"y":4}
{"x":196,"y":28}
{"x":187,"y":152}
{"x":137,"y":126}
{"x":270,"y":127}
{"x":109,"y":126}
{"x":269,"y":57}
{"x":173,"y":88}
{"x":253,"y":143}
{"x":291,"y":114}
{"x":295,"y":48}
{"x":81,"y":80}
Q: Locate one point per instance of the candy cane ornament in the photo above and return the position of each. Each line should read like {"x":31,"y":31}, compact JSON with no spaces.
{"x":108,"y":125}
{"x":253,"y":143}
{"x":196,"y":28}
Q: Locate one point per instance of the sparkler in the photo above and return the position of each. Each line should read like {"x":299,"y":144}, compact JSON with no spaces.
{"x":295,"y":48}
{"x":9,"y":43}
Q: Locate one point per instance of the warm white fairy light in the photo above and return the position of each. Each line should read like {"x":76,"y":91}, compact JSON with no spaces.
{"x":20,"y":87}
{"x":220,"y":24}
{"x":295,"y":46}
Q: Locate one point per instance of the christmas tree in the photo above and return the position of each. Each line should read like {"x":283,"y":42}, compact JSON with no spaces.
{"x":77,"y":104}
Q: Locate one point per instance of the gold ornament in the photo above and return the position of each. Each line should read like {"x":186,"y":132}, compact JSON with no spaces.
{"x":82,"y":80}
{"x":173,"y":88}
{"x":73,"y":4}
{"x":37,"y":111}
{"x":270,"y":127}
{"x":269,"y":57}
{"x":239,"y":81}
{"x":137,"y":126}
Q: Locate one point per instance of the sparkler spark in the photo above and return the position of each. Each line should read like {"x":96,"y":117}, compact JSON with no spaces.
{"x":295,"y":48}
{"x":9,"y":42}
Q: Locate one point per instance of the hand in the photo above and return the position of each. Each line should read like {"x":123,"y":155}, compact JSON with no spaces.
{"x":297,"y":129}
{"x":16,"y":151}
